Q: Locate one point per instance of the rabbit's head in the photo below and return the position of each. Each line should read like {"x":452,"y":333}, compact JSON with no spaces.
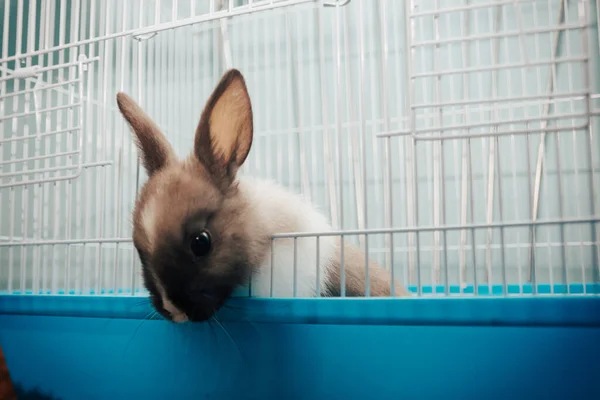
{"x":191,"y":223}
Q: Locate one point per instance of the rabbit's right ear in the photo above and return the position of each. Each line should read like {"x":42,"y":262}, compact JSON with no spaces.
{"x":224,"y":133}
{"x":154,"y":146}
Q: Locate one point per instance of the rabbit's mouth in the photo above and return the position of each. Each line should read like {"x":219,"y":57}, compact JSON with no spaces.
{"x":197,"y":304}
{"x":198,"y":312}
{"x":191,"y":305}
{"x":179,"y":317}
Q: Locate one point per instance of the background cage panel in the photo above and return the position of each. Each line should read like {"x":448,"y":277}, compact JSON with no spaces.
{"x":393,"y":115}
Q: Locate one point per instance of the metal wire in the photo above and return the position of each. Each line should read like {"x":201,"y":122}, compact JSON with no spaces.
{"x":452,"y":141}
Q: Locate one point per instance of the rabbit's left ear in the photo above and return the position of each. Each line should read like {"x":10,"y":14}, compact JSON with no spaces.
{"x":224,"y":134}
{"x":156,"y":151}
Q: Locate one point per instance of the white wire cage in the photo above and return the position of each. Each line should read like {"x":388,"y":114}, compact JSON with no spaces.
{"x":453,"y":140}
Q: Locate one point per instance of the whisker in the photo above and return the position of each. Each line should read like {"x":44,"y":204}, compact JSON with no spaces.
{"x":140,"y":303}
{"x":134,"y":334}
{"x":241,"y":313}
{"x":231,"y":339}
{"x":154,"y":315}
{"x":233,"y":308}
{"x":148,"y":316}
{"x":186,"y":332}
{"x":213,"y":333}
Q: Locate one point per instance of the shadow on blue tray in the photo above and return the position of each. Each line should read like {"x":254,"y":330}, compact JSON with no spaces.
{"x":32,"y":394}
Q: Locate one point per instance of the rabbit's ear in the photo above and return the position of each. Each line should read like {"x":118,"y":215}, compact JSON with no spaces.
{"x":154,"y":146}
{"x":224,"y":134}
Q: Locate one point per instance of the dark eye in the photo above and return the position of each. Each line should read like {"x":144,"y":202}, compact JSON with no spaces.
{"x":200,"y":244}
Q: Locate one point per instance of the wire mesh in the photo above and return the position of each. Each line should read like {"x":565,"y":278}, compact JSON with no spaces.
{"x":453,"y":140}
{"x":43,"y":150}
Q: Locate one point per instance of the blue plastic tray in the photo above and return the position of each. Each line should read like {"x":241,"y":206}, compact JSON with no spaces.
{"x":99,"y":347}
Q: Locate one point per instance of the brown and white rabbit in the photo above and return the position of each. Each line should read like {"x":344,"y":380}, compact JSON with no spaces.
{"x":201,"y":232}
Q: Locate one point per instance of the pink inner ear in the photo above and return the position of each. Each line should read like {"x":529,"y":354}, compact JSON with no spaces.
{"x":230,"y":123}
{"x":227,"y":121}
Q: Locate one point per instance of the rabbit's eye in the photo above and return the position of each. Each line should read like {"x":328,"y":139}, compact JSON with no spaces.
{"x":200,"y":244}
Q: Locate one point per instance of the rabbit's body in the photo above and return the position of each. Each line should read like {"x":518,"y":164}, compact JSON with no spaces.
{"x":202,"y":232}
{"x":280,"y":211}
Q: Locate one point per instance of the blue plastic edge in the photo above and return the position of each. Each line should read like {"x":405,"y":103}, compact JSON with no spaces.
{"x":482,"y":290}
{"x":510,"y":311}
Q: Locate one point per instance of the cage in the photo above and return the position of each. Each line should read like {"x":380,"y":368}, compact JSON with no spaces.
{"x":454,"y":141}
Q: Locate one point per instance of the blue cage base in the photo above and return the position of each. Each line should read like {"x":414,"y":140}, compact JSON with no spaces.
{"x":100,"y":347}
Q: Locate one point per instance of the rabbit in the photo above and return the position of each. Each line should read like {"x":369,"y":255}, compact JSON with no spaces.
{"x":201,"y":231}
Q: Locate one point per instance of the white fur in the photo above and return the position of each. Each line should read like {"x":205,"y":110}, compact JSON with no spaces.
{"x":148,"y":218}
{"x":283,"y":212}
{"x":176,"y":314}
